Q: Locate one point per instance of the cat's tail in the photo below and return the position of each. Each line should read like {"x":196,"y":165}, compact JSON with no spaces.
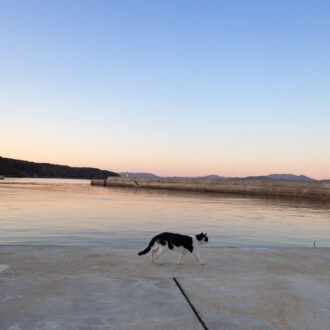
{"x":146,"y":250}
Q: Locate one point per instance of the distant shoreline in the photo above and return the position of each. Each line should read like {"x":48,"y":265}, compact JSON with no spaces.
{"x":40,"y":181}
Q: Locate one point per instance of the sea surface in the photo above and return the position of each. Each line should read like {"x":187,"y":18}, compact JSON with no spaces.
{"x":72,"y":212}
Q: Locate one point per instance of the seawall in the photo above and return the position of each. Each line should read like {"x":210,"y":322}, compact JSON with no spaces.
{"x":313,"y":189}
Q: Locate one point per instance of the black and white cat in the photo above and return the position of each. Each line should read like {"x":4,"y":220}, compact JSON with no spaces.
{"x":181,"y":243}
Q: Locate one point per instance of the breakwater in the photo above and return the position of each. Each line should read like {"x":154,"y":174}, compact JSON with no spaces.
{"x":248,"y":187}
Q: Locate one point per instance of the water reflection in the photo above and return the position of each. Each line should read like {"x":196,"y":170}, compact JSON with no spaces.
{"x":71,"y":212}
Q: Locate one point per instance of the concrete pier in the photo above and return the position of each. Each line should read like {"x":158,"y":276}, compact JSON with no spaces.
{"x":46,"y":287}
{"x":312,"y":189}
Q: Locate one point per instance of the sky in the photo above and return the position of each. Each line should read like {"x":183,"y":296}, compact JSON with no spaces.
{"x":186,"y":88}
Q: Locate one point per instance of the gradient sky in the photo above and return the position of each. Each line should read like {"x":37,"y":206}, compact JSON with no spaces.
{"x":232,"y":88}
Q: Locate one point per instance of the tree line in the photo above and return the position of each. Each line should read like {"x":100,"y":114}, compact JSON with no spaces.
{"x":23,"y":169}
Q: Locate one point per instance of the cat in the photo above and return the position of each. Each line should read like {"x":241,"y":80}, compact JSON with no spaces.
{"x":177,"y":242}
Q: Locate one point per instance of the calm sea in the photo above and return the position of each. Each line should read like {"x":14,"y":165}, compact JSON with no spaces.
{"x":72,"y":212}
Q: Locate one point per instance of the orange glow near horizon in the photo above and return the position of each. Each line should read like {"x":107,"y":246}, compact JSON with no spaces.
{"x":173,"y":165}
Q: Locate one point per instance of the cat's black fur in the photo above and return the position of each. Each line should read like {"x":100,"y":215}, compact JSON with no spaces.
{"x":171,"y":239}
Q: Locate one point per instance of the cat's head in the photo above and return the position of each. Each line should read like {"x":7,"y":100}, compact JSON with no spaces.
{"x":202,"y":238}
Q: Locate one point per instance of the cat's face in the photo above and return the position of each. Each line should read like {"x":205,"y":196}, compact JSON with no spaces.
{"x":202,"y":238}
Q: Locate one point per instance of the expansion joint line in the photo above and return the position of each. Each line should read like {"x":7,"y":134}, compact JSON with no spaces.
{"x":190,"y":304}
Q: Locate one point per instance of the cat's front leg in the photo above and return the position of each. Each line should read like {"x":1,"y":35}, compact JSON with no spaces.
{"x":198,"y":258}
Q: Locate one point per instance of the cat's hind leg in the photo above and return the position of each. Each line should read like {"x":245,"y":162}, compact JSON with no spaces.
{"x":160,"y":251}
{"x":153,"y":252}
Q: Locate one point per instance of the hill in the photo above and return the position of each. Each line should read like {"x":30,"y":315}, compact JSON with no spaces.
{"x":287,"y":177}
{"x":24,"y":169}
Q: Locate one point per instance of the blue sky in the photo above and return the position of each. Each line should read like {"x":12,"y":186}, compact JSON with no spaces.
{"x":173,"y":87}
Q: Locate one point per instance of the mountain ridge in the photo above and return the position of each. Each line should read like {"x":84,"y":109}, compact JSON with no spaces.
{"x":21,"y":168}
{"x":273,"y":176}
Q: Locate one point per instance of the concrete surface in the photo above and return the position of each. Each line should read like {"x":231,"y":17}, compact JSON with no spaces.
{"x":305,"y":189}
{"x":104,"y":288}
